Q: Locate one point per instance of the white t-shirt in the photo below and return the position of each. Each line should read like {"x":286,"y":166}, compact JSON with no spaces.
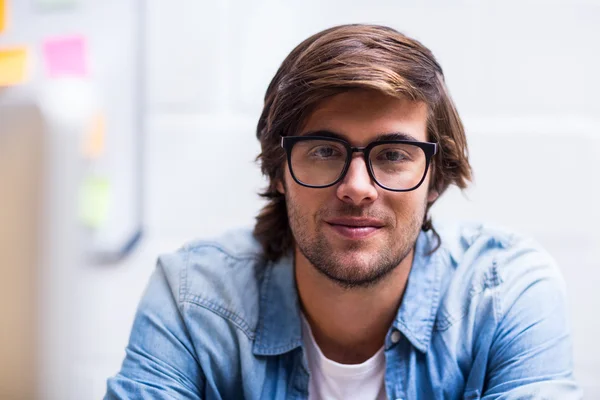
{"x":332,"y":380}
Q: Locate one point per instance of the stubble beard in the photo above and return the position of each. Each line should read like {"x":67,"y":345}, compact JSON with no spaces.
{"x":362,"y":271}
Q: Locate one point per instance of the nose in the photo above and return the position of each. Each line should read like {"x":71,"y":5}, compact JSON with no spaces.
{"x":357,"y":188}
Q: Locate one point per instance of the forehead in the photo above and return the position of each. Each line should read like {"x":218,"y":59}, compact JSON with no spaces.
{"x":360,"y":116}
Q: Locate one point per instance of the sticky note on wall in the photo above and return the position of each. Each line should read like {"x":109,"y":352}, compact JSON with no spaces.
{"x":3,"y":15}
{"x":93,"y":141}
{"x":66,"y":56}
{"x":13,"y":66}
{"x":94,"y":201}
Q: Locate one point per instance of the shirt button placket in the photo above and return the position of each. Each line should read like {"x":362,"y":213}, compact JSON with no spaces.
{"x":395,"y":337}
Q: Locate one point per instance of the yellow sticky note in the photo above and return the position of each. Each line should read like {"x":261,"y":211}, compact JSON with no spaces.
{"x":13,"y":66}
{"x":93,"y":142}
{"x":94,"y":201}
{"x":3,"y":15}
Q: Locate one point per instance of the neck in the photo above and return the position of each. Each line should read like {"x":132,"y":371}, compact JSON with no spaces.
{"x":349,"y":325}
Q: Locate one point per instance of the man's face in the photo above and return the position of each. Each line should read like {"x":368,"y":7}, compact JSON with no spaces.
{"x":328,"y":223}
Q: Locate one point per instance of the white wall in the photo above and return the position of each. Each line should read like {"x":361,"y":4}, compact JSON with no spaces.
{"x":518,"y":70}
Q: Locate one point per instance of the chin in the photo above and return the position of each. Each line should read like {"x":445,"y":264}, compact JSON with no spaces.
{"x":356,"y":259}
{"x":366,"y":249}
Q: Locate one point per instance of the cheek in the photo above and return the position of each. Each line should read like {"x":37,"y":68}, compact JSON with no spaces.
{"x":307,"y":200}
{"x":308,"y":204}
{"x":409,"y":205}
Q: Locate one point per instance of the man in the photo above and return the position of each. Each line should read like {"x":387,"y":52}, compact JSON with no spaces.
{"x":344,"y":289}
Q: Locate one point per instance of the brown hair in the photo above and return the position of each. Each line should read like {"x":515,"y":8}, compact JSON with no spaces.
{"x":340,"y":59}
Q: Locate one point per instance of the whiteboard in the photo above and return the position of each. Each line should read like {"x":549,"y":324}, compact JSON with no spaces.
{"x":114,"y":32}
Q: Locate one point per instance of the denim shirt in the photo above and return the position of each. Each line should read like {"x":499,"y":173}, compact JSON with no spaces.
{"x":484,"y":316}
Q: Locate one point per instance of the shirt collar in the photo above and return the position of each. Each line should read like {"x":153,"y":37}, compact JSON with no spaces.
{"x":417,"y":312}
{"x":279,"y":328}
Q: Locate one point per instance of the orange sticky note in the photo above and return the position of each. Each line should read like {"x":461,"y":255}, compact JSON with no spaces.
{"x":3,"y":15}
{"x":13,"y":66}
{"x":93,"y":142}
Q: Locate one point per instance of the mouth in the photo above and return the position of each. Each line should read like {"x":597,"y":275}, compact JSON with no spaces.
{"x":355,"y":228}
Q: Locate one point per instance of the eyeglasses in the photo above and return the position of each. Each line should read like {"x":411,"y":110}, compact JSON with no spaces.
{"x":320,"y":162}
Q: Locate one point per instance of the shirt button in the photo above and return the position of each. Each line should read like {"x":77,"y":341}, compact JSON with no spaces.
{"x":395,"y":337}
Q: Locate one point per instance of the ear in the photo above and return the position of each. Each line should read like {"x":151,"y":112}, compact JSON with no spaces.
{"x":432,"y":196}
{"x":280,"y":187}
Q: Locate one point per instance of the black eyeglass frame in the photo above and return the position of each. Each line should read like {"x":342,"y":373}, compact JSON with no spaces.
{"x":288,"y":142}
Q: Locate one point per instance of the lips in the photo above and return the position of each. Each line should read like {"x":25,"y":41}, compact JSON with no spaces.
{"x":355,"y":228}
{"x":356,"y":222}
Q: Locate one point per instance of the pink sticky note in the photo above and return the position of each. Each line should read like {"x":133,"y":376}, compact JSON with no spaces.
{"x":66,"y":56}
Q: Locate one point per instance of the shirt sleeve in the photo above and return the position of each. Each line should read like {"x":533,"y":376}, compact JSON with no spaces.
{"x":531,"y":352}
{"x":160,"y":361}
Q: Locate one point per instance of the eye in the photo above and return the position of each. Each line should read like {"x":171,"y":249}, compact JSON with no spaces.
{"x":392,"y":155}
{"x":325,"y":152}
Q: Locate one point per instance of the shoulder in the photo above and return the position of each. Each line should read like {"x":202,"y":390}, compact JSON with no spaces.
{"x":222,"y":275}
{"x":494,"y":263}
{"x":483,"y":248}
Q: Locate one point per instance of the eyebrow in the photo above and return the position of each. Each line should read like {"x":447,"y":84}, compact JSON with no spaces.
{"x":379,"y":138}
